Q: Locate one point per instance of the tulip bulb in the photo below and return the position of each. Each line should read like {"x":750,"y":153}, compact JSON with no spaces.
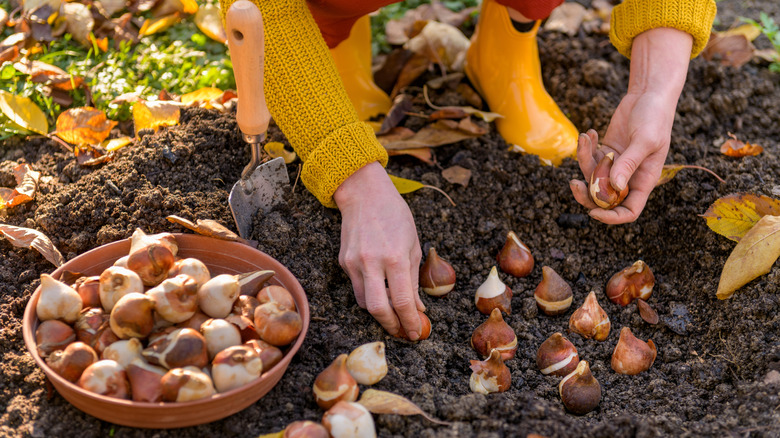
{"x":219,"y":335}
{"x":180,"y":348}
{"x":133,"y":316}
{"x":216,"y":297}
{"x":88,"y":324}
{"x":123,"y":352}
{"x":367,"y":363}
{"x":192,"y":267}
{"x":493,"y":294}
{"x":437,"y":277}
{"x":305,"y":429}
{"x":145,"y":381}
{"x":495,"y":334}
{"x":186,"y":384}
{"x":175,"y":299}
{"x":71,"y":362}
{"x":601,"y":190}
{"x":426,"y":328}
{"x":557,"y":356}
{"x":105,"y":377}
{"x":580,"y":391}
{"x":195,"y":321}
{"x":590,"y":320}
{"x":151,"y":262}
{"x":235,"y":366}
{"x":553,"y":295}
{"x":52,"y":335}
{"x":245,"y":326}
{"x":276,"y":325}
{"x":57,"y":300}
{"x":491,"y":375}
{"x":89,"y":290}
{"x":515,"y":258}
{"x":635,"y":281}
{"x":140,"y":239}
{"x":269,"y":354}
{"x":122,"y":261}
{"x":245,"y":305}
{"x":349,"y":420}
{"x":632,"y":355}
{"x":277,"y":294}
{"x":335,"y":384}
{"x":116,"y":282}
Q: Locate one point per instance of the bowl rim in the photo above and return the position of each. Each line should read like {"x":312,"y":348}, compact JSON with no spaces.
{"x":290,"y":351}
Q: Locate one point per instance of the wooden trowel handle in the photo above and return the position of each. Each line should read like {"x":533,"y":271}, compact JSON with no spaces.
{"x":244,"y":28}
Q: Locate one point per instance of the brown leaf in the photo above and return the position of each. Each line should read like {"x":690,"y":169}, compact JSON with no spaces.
{"x":28,"y":238}
{"x":396,"y":134}
{"x":457,"y":175}
{"x":388,"y":72}
{"x":471,"y":96}
{"x":41,"y":72}
{"x":26,"y":187}
{"x":84,"y":125}
{"x":450,"y":80}
{"x":484,"y":115}
{"x":733,"y":215}
{"x":441,"y":43}
{"x":732,"y":50}
{"x":451,"y":112}
{"x":383,"y":402}
{"x":646,"y":311}
{"x":79,"y":21}
{"x":436,"y":134}
{"x":735,"y":148}
{"x":468,"y":125}
{"x":445,"y":15}
{"x":399,"y":31}
{"x":414,"y":67}
{"x":87,"y":155}
{"x":9,"y":54}
{"x":566,"y":18}
{"x":210,"y":228}
{"x":669,"y":171}
{"x":402,"y":104}
{"x":423,"y":154}
{"x":754,"y":256}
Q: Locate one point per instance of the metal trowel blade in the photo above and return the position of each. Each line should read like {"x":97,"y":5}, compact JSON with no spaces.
{"x":263,"y":189}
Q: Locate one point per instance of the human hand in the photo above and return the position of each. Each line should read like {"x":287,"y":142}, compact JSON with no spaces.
{"x":379,"y":241}
{"x":640,"y":130}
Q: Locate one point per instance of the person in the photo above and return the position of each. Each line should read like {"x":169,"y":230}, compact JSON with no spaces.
{"x":318,"y":88}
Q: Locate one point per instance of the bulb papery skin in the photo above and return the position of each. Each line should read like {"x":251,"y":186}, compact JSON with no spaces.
{"x":194,"y":268}
{"x":178,"y":349}
{"x":57,"y":300}
{"x":515,"y":258}
{"x":579,"y":390}
{"x":367,"y":363}
{"x":123,"y":352}
{"x":424,"y":334}
{"x":186,"y":384}
{"x":151,"y":262}
{"x":632,"y":355}
{"x":276,"y":325}
{"x":601,"y":191}
{"x":217,"y":296}
{"x":495,"y":334}
{"x":116,"y":282}
{"x":635,"y":281}
{"x":140,"y":239}
{"x":305,"y":429}
{"x":145,"y":381}
{"x":553,"y":295}
{"x":335,"y":384}
{"x":71,"y":362}
{"x":269,"y":354}
{"x":106,"y":377}
{"x":491,"y":375}
{"x":219,"y":335}
{"x":175,"y":299}
{"x":133,"y":316}
{"x":88,"y":289}
{"x":493,"y":294}
{"x":590,"y":320}
{"x":277,"y":294}
{"x":235,"y":366}
{"x":53,"y":335}
{"x":349,"y":420}
{"x":437,"y":276}
{"x":557,"y":356}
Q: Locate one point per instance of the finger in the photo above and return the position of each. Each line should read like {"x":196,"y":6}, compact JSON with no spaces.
{"x":585,"y":158}
{"x":378,"y":305}
{"x":414,"y":268}
{"x":356,"y":277}
{"x":628,"y":211}
{"x":627,"y":163}
{"x":580,"y":191}
{"x":400,"y":283}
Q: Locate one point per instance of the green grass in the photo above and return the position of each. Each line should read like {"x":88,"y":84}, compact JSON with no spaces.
{"x":769,"y":28}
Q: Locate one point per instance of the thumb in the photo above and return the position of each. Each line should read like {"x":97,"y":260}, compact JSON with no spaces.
{"x":626,"y":164}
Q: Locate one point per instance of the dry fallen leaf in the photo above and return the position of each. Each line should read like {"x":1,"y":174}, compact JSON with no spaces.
{"x":28,"y":238}
{"x":79,"y":21}
{"x":405,"y":186}
{"x":51,"y":75}
{"x":276,"y":149}
{"x":155,"y":25}
{"x":747,"y":30}
{"x":733,"y":215}
{"x":566,"y":18}
{"x":753,"y":256}
{"x":23,"y":112}
{"x":457,"y":175}
{"x":484,"y":115}
{"x":468,"y":125}
{"x":115,"y":143}
{"x":202,"y":97}
{"x":209,"y":22}
{"x":669,"y":171}
{"x":415,"y":66}
{"x":646,"y":311}
{"x":436,"y":134}
{"x":167,"y":7}
{"x":448,"y":113}
{"x":112,"y":6}
{"x":87,"y":155}
{"x":383,"y":402}
{"x":735,"y":148}
{"x":26,"y":187}
{"x":402,"y":104}
{"x":153,"y":115}
{"x":732,"y":50}
{"x":210,"y":228}
{"x":441,"y":43}
{"x":85,"y":125}
{"x":471,"y":96}
{"x":423,"y":154}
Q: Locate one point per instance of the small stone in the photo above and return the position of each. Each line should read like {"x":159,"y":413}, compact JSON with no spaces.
{"x":772,"y":378}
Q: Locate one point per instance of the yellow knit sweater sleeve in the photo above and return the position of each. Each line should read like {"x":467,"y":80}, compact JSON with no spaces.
{"x":307,"y":99}
{"x":633,"y":17}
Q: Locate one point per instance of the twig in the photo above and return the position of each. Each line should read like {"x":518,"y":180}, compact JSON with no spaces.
{"x":297,"y":177}
{"x":61,"y":142}
{"x":424,"y":116}
{"x":690,"y":166}
{"x":443,"y":193}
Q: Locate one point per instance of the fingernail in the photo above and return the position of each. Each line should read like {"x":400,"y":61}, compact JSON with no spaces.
{"x":620,"y":182}
{"x":414,"y":336}
{"x":572,"y":183}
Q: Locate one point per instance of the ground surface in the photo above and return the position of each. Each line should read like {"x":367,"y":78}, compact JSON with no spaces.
{"x":714,"y":372}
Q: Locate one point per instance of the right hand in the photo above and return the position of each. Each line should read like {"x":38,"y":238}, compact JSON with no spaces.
{"x":379,"y":242}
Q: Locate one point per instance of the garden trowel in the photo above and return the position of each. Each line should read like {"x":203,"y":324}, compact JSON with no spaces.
{"x":261,"y":185}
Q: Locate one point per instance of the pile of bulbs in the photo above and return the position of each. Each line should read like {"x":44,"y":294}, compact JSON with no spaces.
{"x":496,"y":341}
{"x":154,"y":327}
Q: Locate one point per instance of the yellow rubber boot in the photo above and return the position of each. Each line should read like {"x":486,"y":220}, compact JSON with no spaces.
{"x":353,"y":61}
{"x":504,"y":66}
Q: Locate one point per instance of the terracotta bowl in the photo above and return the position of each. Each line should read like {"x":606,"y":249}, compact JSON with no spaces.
{"x":221,"y":257}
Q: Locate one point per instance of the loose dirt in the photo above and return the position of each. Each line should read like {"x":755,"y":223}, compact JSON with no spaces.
{"x":717,"y":371}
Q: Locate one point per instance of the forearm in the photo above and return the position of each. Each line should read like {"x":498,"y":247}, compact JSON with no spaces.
{"x":659,"y":63}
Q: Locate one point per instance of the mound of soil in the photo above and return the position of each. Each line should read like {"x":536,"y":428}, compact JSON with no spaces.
{"x":717,"y":368}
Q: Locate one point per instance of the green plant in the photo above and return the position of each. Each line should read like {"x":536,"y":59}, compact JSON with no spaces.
{"x":769,"y":28}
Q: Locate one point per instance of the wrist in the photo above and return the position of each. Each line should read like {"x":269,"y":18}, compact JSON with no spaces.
{"x":364,"y":180}
{"x":659,"y":62}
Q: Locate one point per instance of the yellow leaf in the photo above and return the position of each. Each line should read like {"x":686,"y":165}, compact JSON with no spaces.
{"x":383,"y":402}
{"x":733,"y":215}
{"x":279,"y":434}
{"x":404,"y":185}
{"x":115,"y":143}
{"x":753,"y":256}
{"x":204,"y":95}
{"x":276,"y":149}
{"x":748,"y":30}
{"x":153,"y":115}
{"x":85,"y":125}
{"x":24,"y":112}
{"x":209,"y":22}
{"x":669,"y":171}
{"x":154,"y":25}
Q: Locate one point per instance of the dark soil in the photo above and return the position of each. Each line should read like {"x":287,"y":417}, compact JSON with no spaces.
{"x":717,"y":368}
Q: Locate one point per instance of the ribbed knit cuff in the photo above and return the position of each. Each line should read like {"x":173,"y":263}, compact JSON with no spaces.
{"x":341,"y":154}
{"x":633,"y":17}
